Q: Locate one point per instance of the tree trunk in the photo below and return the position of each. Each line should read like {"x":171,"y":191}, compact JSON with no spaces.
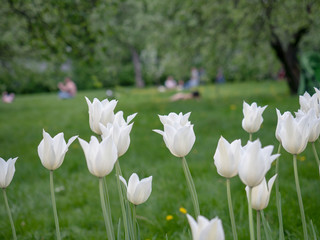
{"x":137,"y":68}
{"x":289,"y":58}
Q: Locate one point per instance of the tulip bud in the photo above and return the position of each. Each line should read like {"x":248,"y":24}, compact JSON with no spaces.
{"x":138,"y":191}
{"x":260,"y":194}
{"x":100,"y":157}
{"x":100,"y":112}
{"x":178,"y":133}
{"x":313,"y":123}
{"x":7,"y":170}
{"x":51,"y":151}
{"x":227,"y":156}
{"x":294,"y":133}
{"x":252,"y":117}
{"x":205,"y":229}
{"x":255,"y":162}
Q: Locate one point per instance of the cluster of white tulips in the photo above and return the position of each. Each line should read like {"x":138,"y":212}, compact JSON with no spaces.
{"x":250,"y":161}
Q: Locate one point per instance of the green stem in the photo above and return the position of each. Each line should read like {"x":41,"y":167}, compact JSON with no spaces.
{"x":250,"y":137}
{"x":250,"y":215}
{"x":233,"y":224}
{"x":303,"y":218}
{"x":134,"y":220}
{"x":266,"y":226}
{"x":122,"y":200}
{"x":316,"y":155}
{"x":258,"y":226}
{"x":191,"y":187}
{"x":278,"y":198}
{"x":9,"y":214}
{"x":54,"y":206}
{"x":106,"y":216}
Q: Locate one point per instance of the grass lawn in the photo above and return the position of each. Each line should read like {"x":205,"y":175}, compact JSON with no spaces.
{"x":218,"y":112}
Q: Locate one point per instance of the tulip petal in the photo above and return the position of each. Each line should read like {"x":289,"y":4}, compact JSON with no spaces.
{"x":142,"y":191}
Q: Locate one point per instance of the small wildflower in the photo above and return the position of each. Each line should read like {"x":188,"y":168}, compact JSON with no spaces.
{"x":169,"y":217}
{"x":302,"y":158}
{"x":183,"y":210}
{"x":233,"y":107}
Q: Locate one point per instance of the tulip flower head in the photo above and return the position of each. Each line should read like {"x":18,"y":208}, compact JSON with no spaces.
{"x":227,"y":157}
{"x":52,"y":151}
{"x":252,"y":117}
{"x":178,"y":133}
{"x":7,"y":170}
{"x":255,"y":162}
{"x":294,"y":133}
{"x":138,"y":191}
{"x":260,"y":194}
{"x":120,"y":132}
{"x":308,"y":102}
{"x":313,"y":123}
{"x":100,"y":157}
{"x":204,"y":229}
{"x":100,"y":112}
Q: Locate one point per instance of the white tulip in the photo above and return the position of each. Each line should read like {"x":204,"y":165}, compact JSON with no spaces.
{"x":313,"y":123}
{"x":260,"y":194}
{"x":178,"y":133}
{"x":252,"y":117}
{"x":294,"y":133}
{"x":100,"y":112}
{"x":308,"y":102}
{"x":227,"y":156}
{"x":100,"y":157}
{"x":205,"y":229}
{"x":138,"y":191}
{"x":120,"y":132}
{"x":7,"y":170}
{"x":52,"y":151}
{"x":255,"y":162}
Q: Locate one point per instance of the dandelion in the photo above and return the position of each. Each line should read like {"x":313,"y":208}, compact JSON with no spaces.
{"x":183,"y":210}
{"x":169,"y":217}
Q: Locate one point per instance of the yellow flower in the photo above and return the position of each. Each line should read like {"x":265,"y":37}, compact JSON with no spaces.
{"x":233,"y":107}
{"x":169,"y":217}
{"x":302,"y":158}
{"x":183,"y":210}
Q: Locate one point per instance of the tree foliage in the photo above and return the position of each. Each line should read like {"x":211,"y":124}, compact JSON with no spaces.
{"x":106,"y":43}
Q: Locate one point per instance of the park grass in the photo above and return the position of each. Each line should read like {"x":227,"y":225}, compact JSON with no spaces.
{"x":218,"y":112}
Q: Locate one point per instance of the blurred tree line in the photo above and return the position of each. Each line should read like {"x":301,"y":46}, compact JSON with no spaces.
{"x":103,"y":43}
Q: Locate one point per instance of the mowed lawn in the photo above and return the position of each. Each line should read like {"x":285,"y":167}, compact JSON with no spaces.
{"x":218,"y":112}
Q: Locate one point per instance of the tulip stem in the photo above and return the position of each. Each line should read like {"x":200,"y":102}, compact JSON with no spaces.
{"x":122,"y":200}
{"x":278,"y":198}
{"x":54,"y":206}
{"x":107,"y":217}
{"x":250,"y":137}
{"x":258,"y":226}
{"x":316,"y":155}
{"x":296,"y":178}
{"x":9,"y":214}
{"x":250,"y":215}
{"x":191,"y":187}
{"x":134,"y":220}
{"x":233,"y":224}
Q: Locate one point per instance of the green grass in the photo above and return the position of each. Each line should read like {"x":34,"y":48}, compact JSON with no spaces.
{"x":218,"y":112}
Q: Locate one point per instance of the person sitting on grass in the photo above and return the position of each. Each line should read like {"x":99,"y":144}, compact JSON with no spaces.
{"x":183,"y":96}
{"x":68,"y":89}
{"x":7,"y":97}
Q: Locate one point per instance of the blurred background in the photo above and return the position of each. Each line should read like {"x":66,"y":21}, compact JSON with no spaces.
{"x":102,"y":44}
